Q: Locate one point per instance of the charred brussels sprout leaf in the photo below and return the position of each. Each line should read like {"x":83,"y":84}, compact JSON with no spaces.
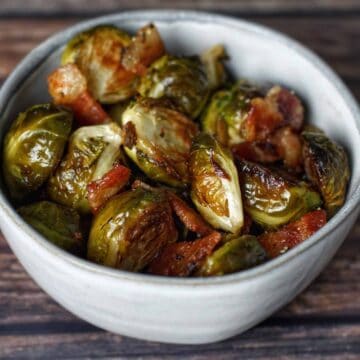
{"x":33,"y":148}
{"x":182,"y":80}
{"x":158,"y":139}
{"x":59,"y":224}
{"x":273,"y":198}
{"x":237,"y":254}
{"x":215,"y":187}
{"x":227,"y":111}
{"x":92,"y":152}
{"x":97,"y":52}
{"x":130,"y":230}
{"x":327,"y":167}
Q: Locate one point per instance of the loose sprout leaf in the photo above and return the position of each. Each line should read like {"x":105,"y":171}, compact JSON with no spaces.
{"x":131,"y":229}
{"x":290,"y":235}
{"x":215,"y":188}
{"x":327,"y":166}
{"x":58,"y":224}
{"x":33,"y":148}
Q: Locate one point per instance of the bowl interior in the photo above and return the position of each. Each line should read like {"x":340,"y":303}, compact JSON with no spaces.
{"x":255,"y":53}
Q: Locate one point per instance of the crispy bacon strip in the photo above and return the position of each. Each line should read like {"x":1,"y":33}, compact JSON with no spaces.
{"x":191,"y":219}
{"x":182,"y":258}
{"x":277,"y":242}
{"x":288,"y":105}
{"x":100,"y":191}
{"x":68,"y":87}
{"x":262,"y":120}
{"x":145,"y":48}
{"x":263,"y":152}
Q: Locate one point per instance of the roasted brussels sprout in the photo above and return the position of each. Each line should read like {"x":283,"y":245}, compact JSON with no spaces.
{"x":273,"y":198}
{"x":59,"y":224}
{"x":237,"y":254}
{"x":182,"y":80}
{"x":227,"y":111}
{"x":92,"y":152}
{"x":130,"y":230}
{"x":278,"y":242}
{"x":33,"y":148}
{"x":215,"y":188}
{"x":327,"y":167}
{"x":158,"y":139}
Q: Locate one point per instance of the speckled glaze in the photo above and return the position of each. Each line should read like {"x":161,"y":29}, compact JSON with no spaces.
{"x":189,"y":310}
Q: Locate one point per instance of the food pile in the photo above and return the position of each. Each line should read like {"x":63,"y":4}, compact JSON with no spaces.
{"x":151,"y":162}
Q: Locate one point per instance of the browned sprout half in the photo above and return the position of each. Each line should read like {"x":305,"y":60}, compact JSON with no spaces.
{"x":130,"y":230}
{"x":273,"y":198}
{"x":58,"y":224}
{"x":238,"y":253}
{"x":326,"y":165}
{"x":92,"y":152}
{"x":215,"y":188}
{"x":33,"y":148}
{"x":158,"y":139}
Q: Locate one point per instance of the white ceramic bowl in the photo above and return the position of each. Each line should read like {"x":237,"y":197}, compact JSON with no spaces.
{"x":193,"y":310}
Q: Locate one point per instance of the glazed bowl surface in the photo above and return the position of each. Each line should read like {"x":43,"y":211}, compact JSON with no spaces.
{"x":190,"y":310}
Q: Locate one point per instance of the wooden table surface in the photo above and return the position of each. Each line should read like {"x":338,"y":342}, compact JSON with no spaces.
{"x":323,"y":322}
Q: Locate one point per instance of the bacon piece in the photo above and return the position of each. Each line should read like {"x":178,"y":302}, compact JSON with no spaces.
{"x":68,"y":87}
{"x":100,"y":191}
{"x":289,"y":147}
{"x":146,"y":47}
{"x":263,"y":118}
{"x":277,"y":242}
{"x":263,"y":152}
{"x":191,"y":219}
{"x":182,"y":258}
{"x":288,"y":105}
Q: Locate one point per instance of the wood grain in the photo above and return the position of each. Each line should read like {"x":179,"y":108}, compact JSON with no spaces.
{"x":86,"y":7}
{"x":323,"y":322}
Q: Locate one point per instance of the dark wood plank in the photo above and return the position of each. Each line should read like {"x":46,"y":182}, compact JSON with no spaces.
{"x":322,"y":322}
{"x":86,"y":7}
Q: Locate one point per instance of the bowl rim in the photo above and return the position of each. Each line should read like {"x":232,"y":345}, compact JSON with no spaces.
{"x":41,"y":52}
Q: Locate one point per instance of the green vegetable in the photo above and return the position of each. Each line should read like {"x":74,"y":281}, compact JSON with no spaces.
{"x":92,"y":152}
{"x":130,"y":230}
{"x":215,"y":187}
{"x":33,"y":148}
{"x":272,"y":198}
{"x":158,"y":139}
{"x":240,"y":253}
{"x":327,"y":166}
{"x":182,"y":80}
{"x":58,"y":224}
{"x":226,"y":112}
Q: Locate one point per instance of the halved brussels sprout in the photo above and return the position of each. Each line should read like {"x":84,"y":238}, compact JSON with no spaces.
{"x":33,"y":148}
{"x":58,"y":224}
{"x":98,"y":53}
{"x":228,"y":108}
{"x":158,"y":139}
{"x":215,"y":188}
{"x":240,"y":253}
{"x":327,"y":167}
{"x":92,"y":152}
{"x":182,"y":80}
{"x":273,"y":198}
{"x":130,"y":230}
